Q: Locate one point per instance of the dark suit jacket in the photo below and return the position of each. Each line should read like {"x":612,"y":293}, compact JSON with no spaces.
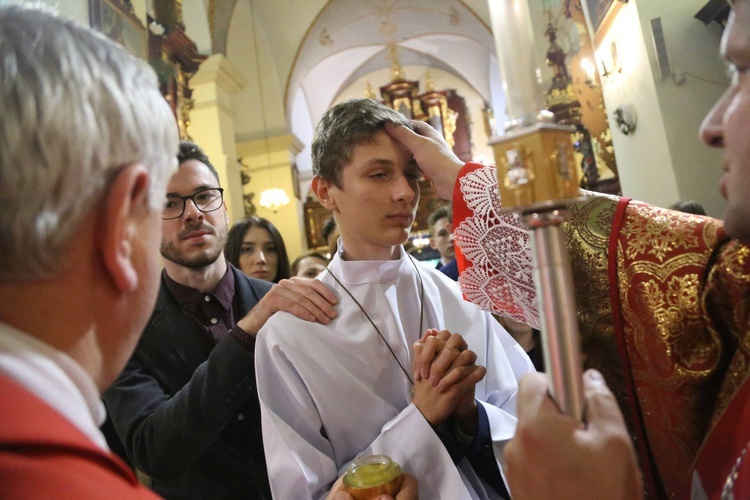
{"x":43,"y":455}
{"x":450,"y":269}
{"x":186,"y":411}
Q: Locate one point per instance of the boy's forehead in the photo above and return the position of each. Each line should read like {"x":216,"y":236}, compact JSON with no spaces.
{"x":379,"y":149}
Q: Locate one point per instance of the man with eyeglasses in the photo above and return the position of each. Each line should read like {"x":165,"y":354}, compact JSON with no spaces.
{"x":185,"y":406}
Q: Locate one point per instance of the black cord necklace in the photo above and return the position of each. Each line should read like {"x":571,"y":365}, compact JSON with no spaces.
{"x":421,"y":313}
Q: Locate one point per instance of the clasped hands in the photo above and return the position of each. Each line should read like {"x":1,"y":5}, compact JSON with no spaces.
{"x":445,"y":375}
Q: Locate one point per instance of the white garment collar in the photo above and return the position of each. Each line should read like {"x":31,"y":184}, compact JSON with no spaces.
{"x":54,"y":377}
{"x":358,"y":272}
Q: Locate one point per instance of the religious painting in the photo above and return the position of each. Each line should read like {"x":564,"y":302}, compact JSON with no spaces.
{"x":117,"y":20}
{"x":601,"y":14}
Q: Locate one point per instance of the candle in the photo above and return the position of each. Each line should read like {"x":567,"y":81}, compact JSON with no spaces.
{"x":514,"y":43}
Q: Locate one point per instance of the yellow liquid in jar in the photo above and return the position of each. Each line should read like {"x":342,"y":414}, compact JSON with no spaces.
{"x":371,"y":476}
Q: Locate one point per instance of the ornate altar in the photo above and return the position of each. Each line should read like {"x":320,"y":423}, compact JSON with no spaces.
{"x":575,"y":98}
{"x":169,"y":51}
{"x":175,"y":59}
{"x":445,"y":110}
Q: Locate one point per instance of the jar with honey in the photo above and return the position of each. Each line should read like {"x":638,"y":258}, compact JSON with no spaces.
{"x":372,"y":475}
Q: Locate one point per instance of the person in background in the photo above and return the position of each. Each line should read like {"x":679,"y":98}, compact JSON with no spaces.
{"x":87,"y":144}
{"x":256,"y":247}
{"x":186,"y":406}
{"x":441,"y":239}
{"x":688,"y":207}
{"x":330,"y":233}
{"x":309,"y":265}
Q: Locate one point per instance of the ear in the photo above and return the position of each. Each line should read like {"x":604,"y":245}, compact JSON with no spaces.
{"x":226,"y":212}
{"x":432,"y":243}
{"x":322,"y":189}
{"x":125,"y":205}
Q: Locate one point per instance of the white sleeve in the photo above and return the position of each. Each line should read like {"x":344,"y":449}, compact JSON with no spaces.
{"x":506,"y":363}
{"x":298,"y":456}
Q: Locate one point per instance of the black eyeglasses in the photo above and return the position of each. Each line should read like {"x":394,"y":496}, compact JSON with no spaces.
{"x":205,"y":200}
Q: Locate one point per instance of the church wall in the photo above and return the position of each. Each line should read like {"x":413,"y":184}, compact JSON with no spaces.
{"x":196,"y":24}
{"x":76,"y":9}
{"x":247,"y":105}
{"x":644,"y":158}
{"x":693,"y":49}
{"x":249,"y":119}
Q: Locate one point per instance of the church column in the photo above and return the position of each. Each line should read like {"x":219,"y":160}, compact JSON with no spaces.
{"x":270,"y":163}
{"x":212,"y":125}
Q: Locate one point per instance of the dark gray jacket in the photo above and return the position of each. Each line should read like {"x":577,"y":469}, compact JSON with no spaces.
{"x":187,"y":412}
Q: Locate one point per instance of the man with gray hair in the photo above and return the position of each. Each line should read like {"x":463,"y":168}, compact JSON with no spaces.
{"x":87,"y":144}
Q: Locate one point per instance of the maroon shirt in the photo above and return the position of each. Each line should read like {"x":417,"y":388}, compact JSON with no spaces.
{"x":211,"y":311}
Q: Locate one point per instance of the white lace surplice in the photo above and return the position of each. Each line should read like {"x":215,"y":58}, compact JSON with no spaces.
{"x":497,"y":245}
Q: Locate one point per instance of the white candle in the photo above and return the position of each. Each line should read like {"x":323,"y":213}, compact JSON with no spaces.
{"x":514,"y":43}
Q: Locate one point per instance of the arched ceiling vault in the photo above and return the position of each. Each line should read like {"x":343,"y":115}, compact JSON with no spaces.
{"x":318,"y":48}
{"x":434,"y":33}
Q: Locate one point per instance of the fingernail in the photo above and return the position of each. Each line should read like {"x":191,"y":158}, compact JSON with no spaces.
{"x":433,"y":381}
{"x":593,"y":378}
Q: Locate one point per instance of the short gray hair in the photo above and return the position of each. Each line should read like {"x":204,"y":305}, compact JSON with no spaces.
{"x":76,"y":108}
{"x":344,"y":127}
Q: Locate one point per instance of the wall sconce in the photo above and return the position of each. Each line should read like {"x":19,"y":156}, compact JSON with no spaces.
{"x":590,"y":71}
{"x":615,"y":64}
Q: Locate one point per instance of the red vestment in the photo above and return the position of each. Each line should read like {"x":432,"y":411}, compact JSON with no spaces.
{"x":43,"y":455}
{"x":662,"y":301}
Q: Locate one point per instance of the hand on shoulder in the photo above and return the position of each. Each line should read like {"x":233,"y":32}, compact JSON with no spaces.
{"x":306,"y":298}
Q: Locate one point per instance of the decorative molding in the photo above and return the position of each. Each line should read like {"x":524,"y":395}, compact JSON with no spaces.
{"x":217,"y":69}
{"x":287,"y":143}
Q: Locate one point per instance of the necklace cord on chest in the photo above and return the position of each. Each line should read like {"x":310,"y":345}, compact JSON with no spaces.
{"x":421,"y":314}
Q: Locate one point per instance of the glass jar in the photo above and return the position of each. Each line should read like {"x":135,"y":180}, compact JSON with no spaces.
{"x":372,"y":475}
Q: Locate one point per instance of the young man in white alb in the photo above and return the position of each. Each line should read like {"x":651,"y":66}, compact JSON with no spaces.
{"x":348,"y":388}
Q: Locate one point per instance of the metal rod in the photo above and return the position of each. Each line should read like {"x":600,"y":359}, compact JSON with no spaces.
{"x":554,"y":285}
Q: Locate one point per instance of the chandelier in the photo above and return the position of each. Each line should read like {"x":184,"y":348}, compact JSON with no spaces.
{"x":273,"y":199}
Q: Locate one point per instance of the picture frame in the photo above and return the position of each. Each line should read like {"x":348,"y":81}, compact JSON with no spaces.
{"x":601,"y":14}
{"x":295,"y":182}
{"x":117,"y":20}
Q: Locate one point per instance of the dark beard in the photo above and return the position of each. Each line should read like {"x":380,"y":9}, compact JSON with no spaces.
{"x":199,"y":261}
